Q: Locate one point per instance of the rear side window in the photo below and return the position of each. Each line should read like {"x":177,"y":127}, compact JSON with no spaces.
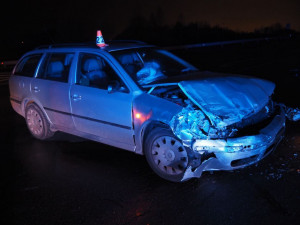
{"x":56,"y":67}
{"x":27,"y":66}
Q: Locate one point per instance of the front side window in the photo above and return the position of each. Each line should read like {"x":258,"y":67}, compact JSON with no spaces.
{"x":28,"y":65}
{"x":56,"y":67}
{"x":94,"y":71}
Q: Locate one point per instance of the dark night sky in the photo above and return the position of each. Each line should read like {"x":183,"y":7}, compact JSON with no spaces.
{"x":77,"y":20}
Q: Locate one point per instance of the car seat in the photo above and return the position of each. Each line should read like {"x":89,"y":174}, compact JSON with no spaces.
{"x":55,"y":70}
{"x":93,"y":70}
{"x":130,"y":64}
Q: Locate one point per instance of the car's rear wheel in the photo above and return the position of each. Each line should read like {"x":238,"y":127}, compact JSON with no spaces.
{"x":37,"y":122}
{"x":165,"y":154}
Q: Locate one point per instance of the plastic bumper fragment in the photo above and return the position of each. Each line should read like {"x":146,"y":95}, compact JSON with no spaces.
{"x":293,"y":114}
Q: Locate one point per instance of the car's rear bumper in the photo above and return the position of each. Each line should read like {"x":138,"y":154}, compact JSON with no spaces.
{"x":234,"y":153}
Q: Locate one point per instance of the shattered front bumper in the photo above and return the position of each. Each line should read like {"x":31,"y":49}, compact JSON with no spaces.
{"x":234,"y":153}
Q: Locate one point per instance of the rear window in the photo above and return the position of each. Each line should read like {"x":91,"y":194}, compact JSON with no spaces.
{"x":27,"y":66}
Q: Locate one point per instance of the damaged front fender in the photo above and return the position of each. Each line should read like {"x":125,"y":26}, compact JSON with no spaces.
{"x":156,"y":110}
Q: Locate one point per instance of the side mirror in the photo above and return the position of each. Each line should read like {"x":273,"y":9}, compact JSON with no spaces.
{"x":113,"y":86}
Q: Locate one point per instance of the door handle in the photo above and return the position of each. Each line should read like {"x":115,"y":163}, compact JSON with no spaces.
{"x":76,"y":97}
{"x":36,"y":89}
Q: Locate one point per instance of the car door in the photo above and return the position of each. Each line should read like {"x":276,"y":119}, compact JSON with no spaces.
{"x":19,"y":82}
{"x":51,"y":88}
{"x":97,"y":111}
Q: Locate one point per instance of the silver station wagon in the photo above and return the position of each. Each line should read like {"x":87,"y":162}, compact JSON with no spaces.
{"x":146,"y":100}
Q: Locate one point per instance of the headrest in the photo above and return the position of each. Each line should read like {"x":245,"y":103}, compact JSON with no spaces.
{"x":126,"y":59}
{"x":92,"y":65}
{"x":55,"y":67}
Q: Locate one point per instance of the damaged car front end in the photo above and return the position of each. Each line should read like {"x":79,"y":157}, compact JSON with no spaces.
{"x":203,"y":121}
{"x":244,"y":124}
{"x":238,"y":151}
{"x":222,"y":125}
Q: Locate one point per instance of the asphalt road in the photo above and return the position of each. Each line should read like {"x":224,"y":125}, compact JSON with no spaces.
{"x":70,"y":181}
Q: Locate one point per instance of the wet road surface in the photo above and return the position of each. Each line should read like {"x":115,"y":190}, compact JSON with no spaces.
{"x":71,"y":181}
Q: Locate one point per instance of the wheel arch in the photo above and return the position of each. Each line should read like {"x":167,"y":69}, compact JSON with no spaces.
{"x":147,"y":128}
{"x":28,"y":101}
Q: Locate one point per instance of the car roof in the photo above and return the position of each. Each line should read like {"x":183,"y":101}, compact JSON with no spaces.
{"x":111,"y":46}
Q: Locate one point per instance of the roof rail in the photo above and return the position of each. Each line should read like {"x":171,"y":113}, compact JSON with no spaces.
{"x":125,"y":41}
{"x":88,"y":44}
{"x":65,"y":45}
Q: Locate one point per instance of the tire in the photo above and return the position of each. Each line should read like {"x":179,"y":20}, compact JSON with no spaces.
{"x":37,"y":123}
{"x":165,"y":154}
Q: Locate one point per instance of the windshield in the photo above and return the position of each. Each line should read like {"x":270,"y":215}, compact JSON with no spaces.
{"x":148,"y":65}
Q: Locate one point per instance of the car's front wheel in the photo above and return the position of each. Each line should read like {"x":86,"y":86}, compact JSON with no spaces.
{"x":37,"y":122}
{"x":165,"y":154}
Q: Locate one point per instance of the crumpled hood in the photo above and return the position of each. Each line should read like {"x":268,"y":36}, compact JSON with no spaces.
{"x":227,"y":100}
